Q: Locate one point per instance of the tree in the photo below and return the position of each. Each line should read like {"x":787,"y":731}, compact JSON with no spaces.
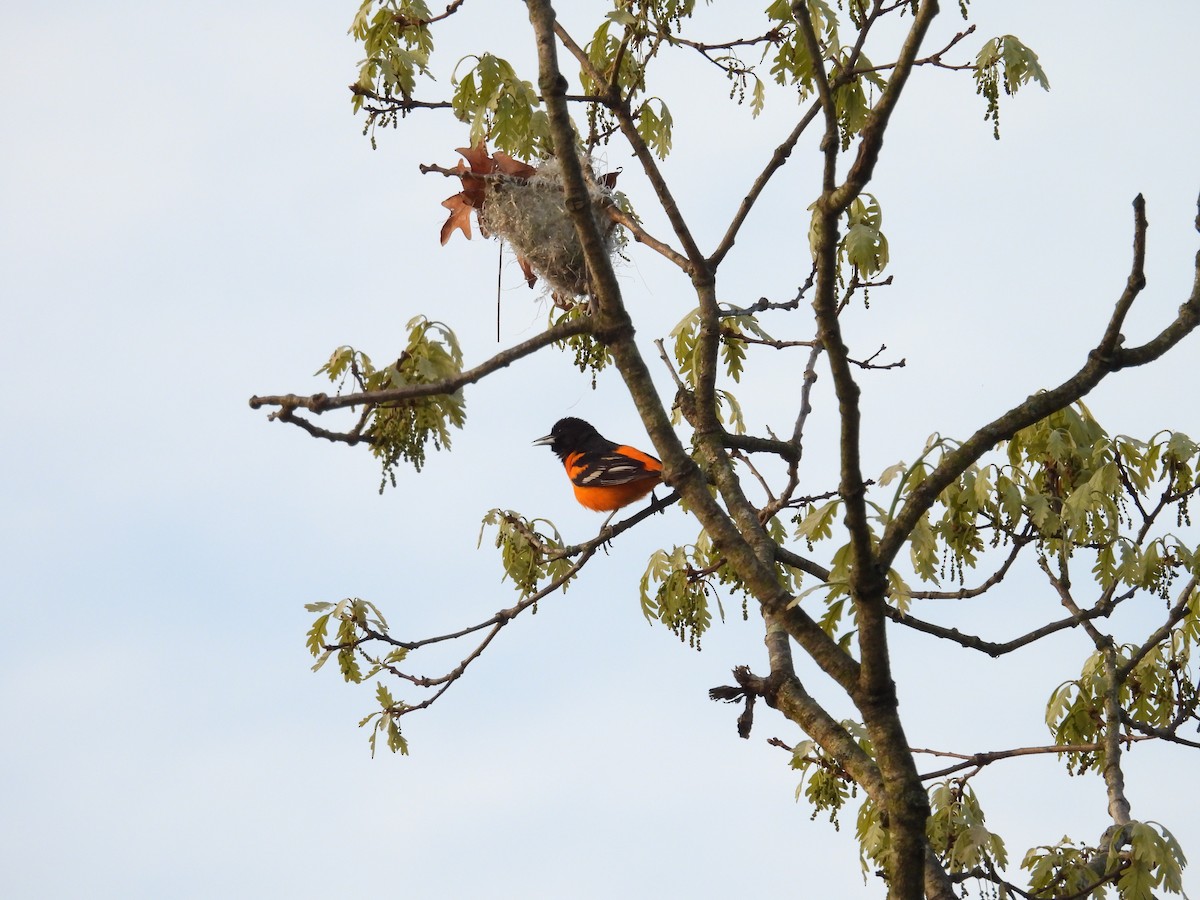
{"x":834,"y":569}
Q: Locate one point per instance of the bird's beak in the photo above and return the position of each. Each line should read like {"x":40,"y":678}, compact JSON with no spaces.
{"x":544,"y":441}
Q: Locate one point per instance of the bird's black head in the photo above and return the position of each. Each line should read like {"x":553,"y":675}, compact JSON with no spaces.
{"x":571,"y":435}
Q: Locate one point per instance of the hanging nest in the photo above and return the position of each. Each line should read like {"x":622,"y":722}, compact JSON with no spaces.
{"x":526,"y":206}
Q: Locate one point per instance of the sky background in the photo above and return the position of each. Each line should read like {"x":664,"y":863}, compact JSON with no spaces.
{"x":190,"y":216}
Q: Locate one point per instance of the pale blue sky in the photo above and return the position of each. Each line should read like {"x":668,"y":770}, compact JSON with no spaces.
{"x":191,"y":216}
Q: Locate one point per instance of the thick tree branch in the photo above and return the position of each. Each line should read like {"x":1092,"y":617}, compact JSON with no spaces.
{"x":875,"y":694}
{"x":1114,"y":775}
{"x":908,"y":805}
{"x":784,"y":691}
{"x":1106,"y":358}
{"x":642,"y":236}
{"x":615,"y":328}
{"x":829,"y":143}
{"x":620,"y":108}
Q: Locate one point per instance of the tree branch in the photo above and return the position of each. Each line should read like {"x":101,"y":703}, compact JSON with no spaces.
{"x":319,"y":403}
{"x":620,"y":108}
{"x":871,"y":140}
{"x":979,"y":760}
{"x":1178,"y":610}
{"x":1105,"y":359}
{"x":1020,"y":542}
{"x":972,"y":642}
{"x":615,"y":328}
{"x":496,"y":623}
{"x":777,"y":161}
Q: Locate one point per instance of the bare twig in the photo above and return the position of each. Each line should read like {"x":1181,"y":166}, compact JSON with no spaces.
{"x":1163,"y":734}
{"x":979,"y":760}
{"x":993,"y":649}
{"x":642,"y":236}
{"x":414,"y":22}
{"x":934,"y":59}
{"x":1019,"y":543}
{"x":666,"y":358}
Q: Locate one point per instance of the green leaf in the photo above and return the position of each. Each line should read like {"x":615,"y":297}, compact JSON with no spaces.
{"x":817,"y":524}
{"x":397,"y":48}
{"x":923,"y":550}
{"x":316,"y":634}
{"x":528,"y":553}
{"x":622,"y":17}
{"x":899,"y":592}
{"x":348,"y":664}
{"x":758,"y":98}
{"x":888,"y":475}
{"x":734,"y":415}
{"x":654,"y":126}
{"x":500,"y":107}
{"x":403,"y":430}
{"x":686,"y":334}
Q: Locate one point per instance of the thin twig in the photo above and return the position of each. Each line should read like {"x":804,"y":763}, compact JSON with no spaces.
{"x":979,"y":760}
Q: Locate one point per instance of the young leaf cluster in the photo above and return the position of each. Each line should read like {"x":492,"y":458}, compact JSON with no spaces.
{"x":529,"y":556}
{"x":824,"y":783}
{"x":957,"y":830}
{"x":350,"y":618}
{"x":849,"y":72}
{"x":1005,"y":62}
{"x":500,"y":108}
{"x":791,"y":63}
{"x":735,"y":333}
{"x":679,"y":585}
{"x":862,"y":253}
{"x":403,"y":430}
{"x":589,"y":354}
{"x":386,"y":721}
{"x":864,"y":246}
{"x":620,"y":52}
{"x":1159,"y":691}
{"x":1139,"y":857}
{"x":1068,"y":487}
{"x":397,"y":42}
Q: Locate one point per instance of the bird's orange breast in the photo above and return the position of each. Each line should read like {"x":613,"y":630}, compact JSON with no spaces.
{"x":613,"y":496}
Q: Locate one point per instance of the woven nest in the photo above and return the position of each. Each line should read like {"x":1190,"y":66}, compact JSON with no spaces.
{"x":531,"y":214}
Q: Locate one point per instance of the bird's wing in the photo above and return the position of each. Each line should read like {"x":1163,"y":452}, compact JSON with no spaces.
{"x":613,"y":467}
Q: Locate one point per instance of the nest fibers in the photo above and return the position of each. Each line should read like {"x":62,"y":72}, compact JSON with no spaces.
{"x":531,"y":214}
{"x":527,"y":207}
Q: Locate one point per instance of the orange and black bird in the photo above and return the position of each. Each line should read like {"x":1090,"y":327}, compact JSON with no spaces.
{"x":606,"y":476}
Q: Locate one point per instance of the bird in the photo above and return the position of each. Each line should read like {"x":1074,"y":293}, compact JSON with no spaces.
{"x":605,"y":476}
